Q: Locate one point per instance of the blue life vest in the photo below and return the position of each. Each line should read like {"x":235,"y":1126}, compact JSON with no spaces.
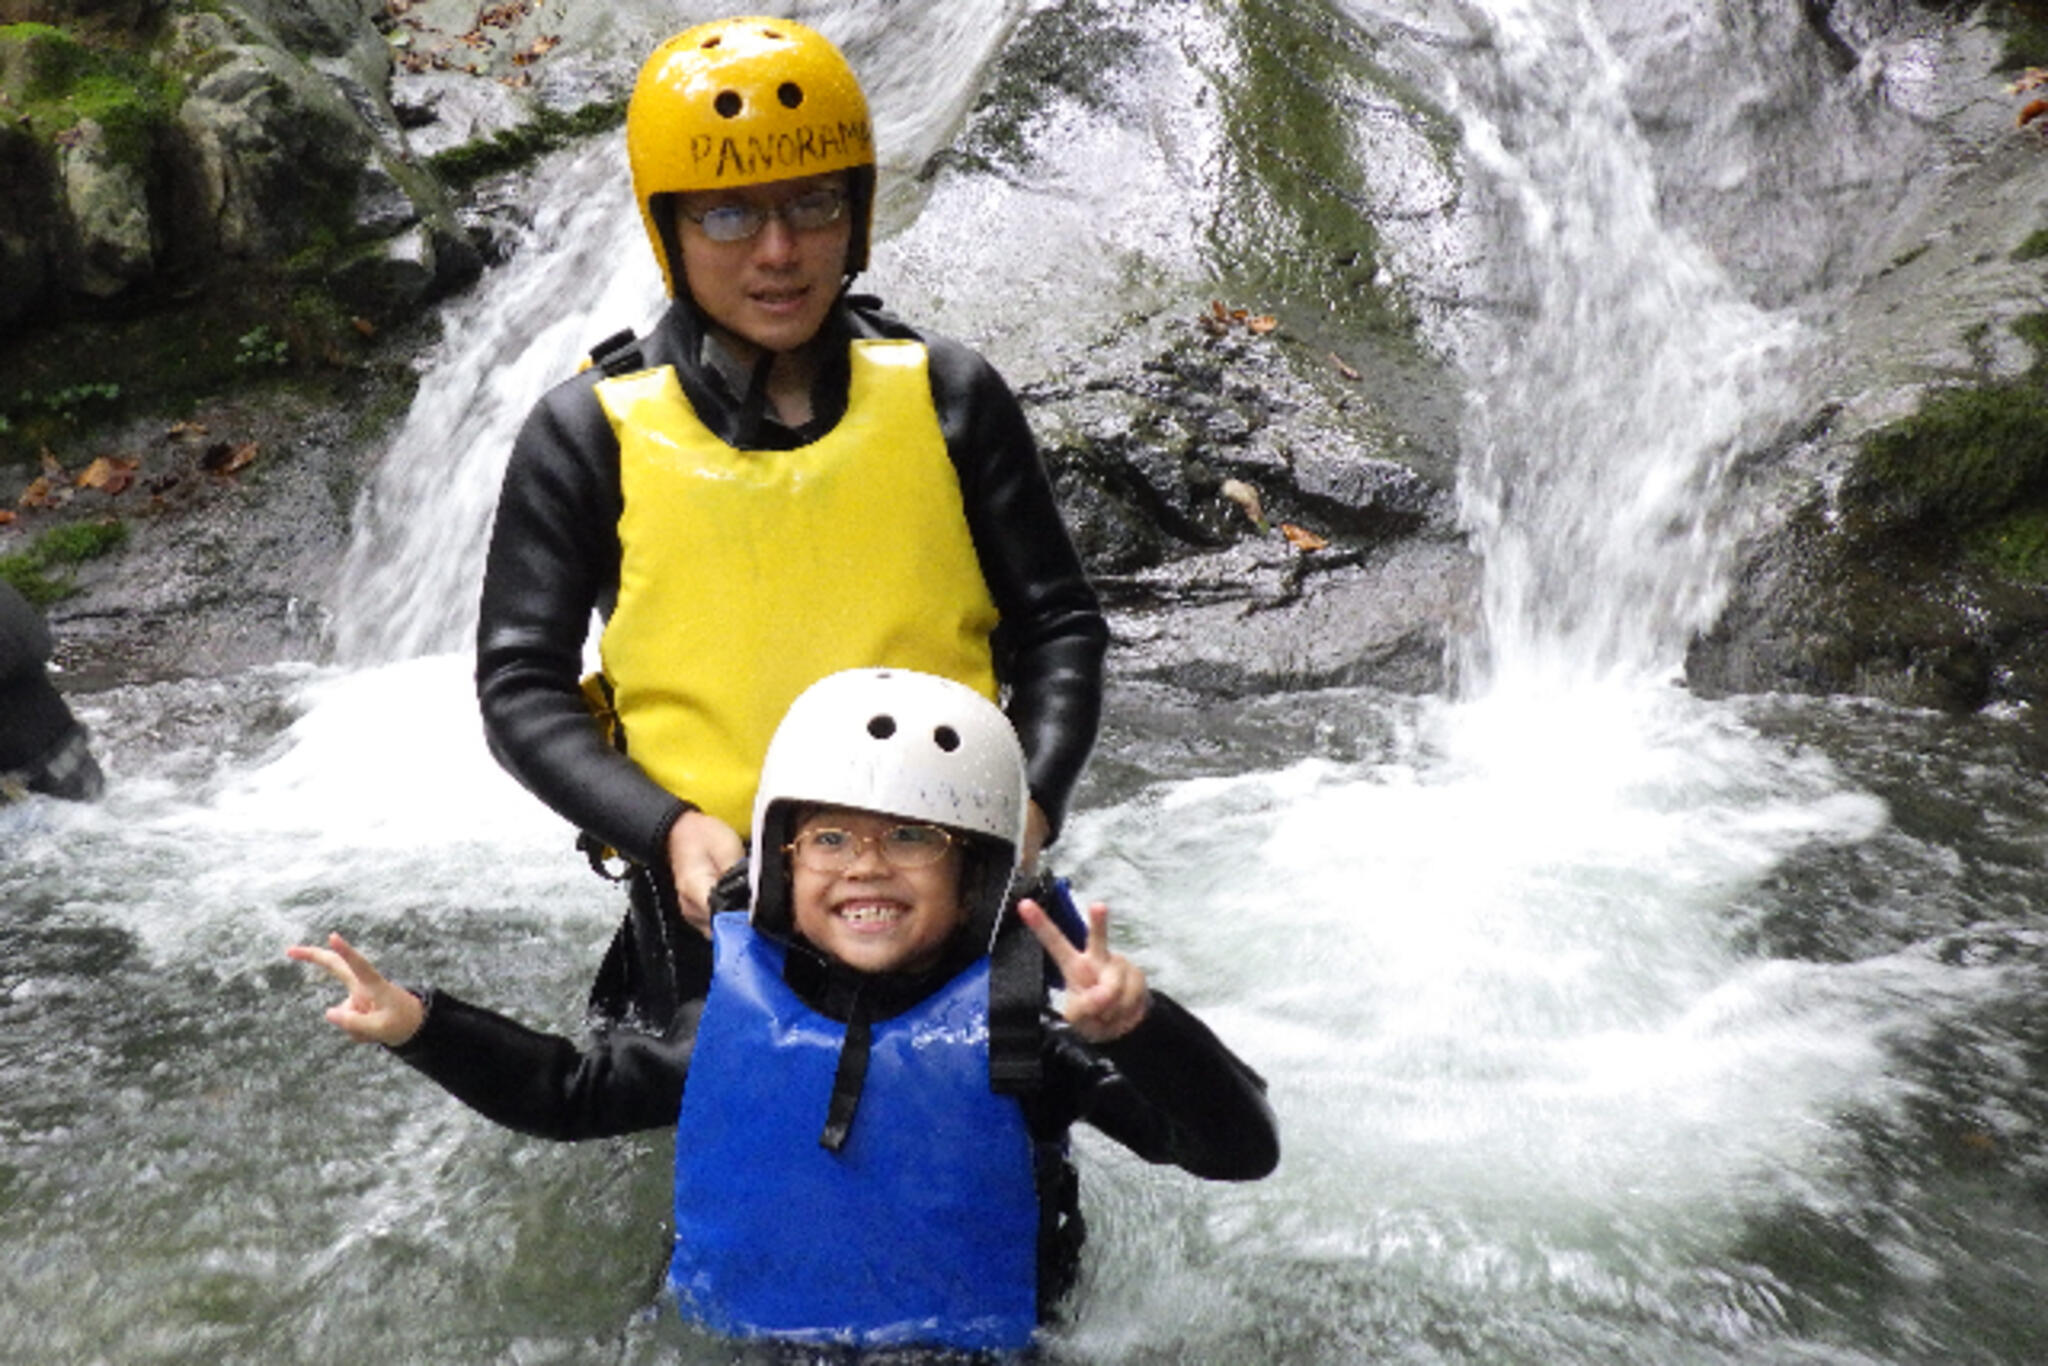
{"x":921,"y":1229}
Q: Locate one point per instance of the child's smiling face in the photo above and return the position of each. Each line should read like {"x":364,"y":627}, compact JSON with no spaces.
{"x":873,"y":914}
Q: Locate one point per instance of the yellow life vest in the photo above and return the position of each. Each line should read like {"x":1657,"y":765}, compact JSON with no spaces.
{"x":746,"y":576}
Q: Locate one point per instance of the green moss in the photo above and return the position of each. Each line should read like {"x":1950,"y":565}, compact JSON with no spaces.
{"x":2026,"y":33}
{"x":54,"y":80}
{"x":2014,"y":547}
{"x":1294,"y":221}
{"x":2032,"y":328}
{"x":39,"y":572}
{"x":516,"y":147}
{"x":2034,"y":248}
{"x":1964,"y":458}
{"x":40,"y":61}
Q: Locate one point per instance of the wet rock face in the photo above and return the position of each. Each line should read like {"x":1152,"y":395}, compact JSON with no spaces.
{"x":1247,"y":523}
{"x":280,"y":147}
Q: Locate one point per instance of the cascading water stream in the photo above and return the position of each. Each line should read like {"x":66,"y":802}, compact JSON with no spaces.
{"x":1617,"y":387}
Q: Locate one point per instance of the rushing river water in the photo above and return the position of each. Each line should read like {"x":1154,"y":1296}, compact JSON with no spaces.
{"x":1604,"y":1024}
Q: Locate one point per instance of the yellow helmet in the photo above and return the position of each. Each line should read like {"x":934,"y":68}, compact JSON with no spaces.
{"x":746,"y":102}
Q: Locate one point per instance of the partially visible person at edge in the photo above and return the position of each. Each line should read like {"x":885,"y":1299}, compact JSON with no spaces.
{"x":778,"y":481}
{"x":43,"y":747}
{"x":834,"y":1098}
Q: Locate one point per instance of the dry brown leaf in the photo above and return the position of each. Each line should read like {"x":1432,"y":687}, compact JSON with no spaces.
{"x":2027,"y":80}
{"x":1301,"y":538}
{"x":537,"y":49}
{"x":7,"y":516}
{"x":2033,"y":109}
{"x":110,"y":474}
{"x":186,"y":431}
{"x":225,"y":458}
{"x":42,"y":492}
{"x":364,"y":326}
{"x":1261,"y":325}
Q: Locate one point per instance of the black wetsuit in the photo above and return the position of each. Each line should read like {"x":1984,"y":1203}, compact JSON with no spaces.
{"x":1170,"y":1090}
{"x":555,"y":556}
{"x":42,"y":745}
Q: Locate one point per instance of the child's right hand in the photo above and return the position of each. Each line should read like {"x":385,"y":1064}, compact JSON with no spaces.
{"x":375,"y":1011}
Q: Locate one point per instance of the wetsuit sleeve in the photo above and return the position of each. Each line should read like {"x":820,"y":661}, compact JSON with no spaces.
{"x":553,"y":559}
{"x":1052,"y":638}
{"x":1170,"y":1091}
{"x":620,"y":1082}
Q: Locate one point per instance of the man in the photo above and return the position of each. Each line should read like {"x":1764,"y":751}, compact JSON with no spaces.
{"x":778,"y":482}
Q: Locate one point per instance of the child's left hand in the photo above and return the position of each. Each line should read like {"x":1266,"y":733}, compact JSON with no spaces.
{"x":1106,"y":993}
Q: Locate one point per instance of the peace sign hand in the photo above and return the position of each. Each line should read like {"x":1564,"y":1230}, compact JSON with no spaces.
{"x":1106,"y":993}
{"x":376,"y":1011}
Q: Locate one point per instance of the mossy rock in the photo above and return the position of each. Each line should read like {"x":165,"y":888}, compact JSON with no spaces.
{"x":55,"y":81}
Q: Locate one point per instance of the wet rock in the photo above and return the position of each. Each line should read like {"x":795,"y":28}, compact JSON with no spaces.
{"x":108,"y":200}
{"x":443,"y":110}
{"x":1263,"y":618}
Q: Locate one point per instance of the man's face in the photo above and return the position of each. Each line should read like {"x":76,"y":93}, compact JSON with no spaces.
{"x":773,"y":288}
{"x":874,"y":913}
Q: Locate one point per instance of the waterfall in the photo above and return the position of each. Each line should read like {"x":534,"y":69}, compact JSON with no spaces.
{"x":408,"y":585}
{"x":1615,"y":386}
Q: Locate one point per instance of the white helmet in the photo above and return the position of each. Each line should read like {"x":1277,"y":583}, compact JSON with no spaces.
{"x":903,"y":744}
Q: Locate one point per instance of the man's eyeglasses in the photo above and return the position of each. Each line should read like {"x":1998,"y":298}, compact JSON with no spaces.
{"x":831,"y":850}
{"x":808,"y":212}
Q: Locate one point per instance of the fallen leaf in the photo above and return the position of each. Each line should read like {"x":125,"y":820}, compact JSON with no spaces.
{"x":7,"y":516}
{"x":223,"y":458}
{"x":364,"y":326}
{"x":186,"y":431}
{"x":1301,"y":538}
{"x":1212,"y":324}
{"x":1247,"y":498}
{"x":1261,"y":325}
{"x":42,"y":492}
{"x":537,"y":49}
{"x":2034,"y":109}
{"x":2027,"y":80}
{"x":1343,"y":369}
{"x":111,"y":474}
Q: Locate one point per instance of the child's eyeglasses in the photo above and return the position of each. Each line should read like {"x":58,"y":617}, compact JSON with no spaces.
{"x":737,"y":222}
{"x":829,"y":850}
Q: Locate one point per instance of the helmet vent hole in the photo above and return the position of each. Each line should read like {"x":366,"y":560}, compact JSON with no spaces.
{"x":946,"y":738}
{"x":882,"y":727}
{"x":728,"y":104}
{"x":790,"y":93}
{"x":713,"y":41}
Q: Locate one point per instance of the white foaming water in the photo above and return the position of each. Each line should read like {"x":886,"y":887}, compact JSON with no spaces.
{"x":1494,"y":981}
{"x":409,"y":583}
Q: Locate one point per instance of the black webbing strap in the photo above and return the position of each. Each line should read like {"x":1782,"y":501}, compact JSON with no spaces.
{"x":847,"y":1081}
{"x":1016,"y":991}
{"x":618,"y":354}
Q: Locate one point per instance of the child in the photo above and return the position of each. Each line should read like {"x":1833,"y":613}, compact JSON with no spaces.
{"x":844,"y":1171}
